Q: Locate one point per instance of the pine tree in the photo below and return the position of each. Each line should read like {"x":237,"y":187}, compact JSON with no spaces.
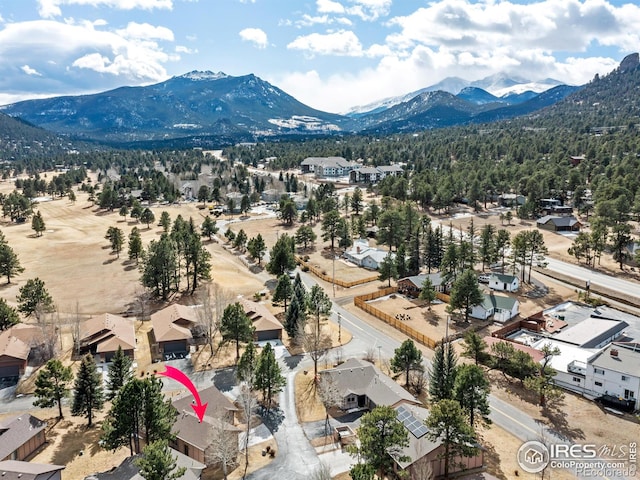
{"x":236,"y":327}
{"x":9,"y":262}
{"x":443,"y":372}
{"x":139,"y":410}
{"x":157,"y":462}
{"x":471,"y":390}
{"x":52,"y":385}
{"x":88,"y":394}
{"x":247,"y":364}
{"x":135,"y":245}
{"x":283,"y":291}
{"x":268,"y":375}
{"x":37,"y":224}
{"x":8,"y":315}
{"x":407,"y":358}
{"x":119,"y":373}
{"x":465,"y":293}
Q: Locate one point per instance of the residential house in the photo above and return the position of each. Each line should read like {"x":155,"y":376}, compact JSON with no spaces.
{"x":18,"y":470}
{"x":615,"y":371}
{"x":374,"y":174}
{"x":14,"y":354}
{"x":504,"y":283}
{"x":422,"y":451}
{"x":365,"y":256}
{"x":364,"y":386}
{"x":266,"y":325}
{"x":196,"y":439}
{"x":236,"y":197}
{"x":412,"y":286}
{"x":172,"y":329}
{"x":102,"y":335}
{"x":500,"y":307}
{"x":21,"y":436}
{"x":19,"y":344}
{"x":559,"y":224}
{"x":327,"y":166}
{"x":511,"y":200}
{"x":128,"y":470}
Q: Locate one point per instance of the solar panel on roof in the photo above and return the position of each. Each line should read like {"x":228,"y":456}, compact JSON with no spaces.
{"x":411,"y":423}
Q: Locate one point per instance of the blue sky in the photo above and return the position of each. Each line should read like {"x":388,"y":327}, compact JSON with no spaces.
{"x":329,"y":54}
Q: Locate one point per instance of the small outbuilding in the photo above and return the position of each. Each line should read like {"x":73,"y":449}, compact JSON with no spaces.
{"x":504,"y":283}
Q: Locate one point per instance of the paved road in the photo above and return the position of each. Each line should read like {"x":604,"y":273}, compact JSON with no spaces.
{"x":596,"y":278}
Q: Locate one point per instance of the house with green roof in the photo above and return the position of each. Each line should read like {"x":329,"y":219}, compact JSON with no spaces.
{"x":504,"y":283}
{"x":502,"y":308}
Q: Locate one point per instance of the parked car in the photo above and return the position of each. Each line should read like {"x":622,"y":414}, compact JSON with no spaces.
{"x":483,"y":278}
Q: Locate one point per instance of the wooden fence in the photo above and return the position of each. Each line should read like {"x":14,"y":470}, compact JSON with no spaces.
{"x":360,"y":302}
{"x":328,"y":278}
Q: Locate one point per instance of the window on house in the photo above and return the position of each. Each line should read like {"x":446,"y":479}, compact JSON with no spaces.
{"x":598,"y":371}
{"x":598,"y":384}
{"x":624,"y":378}
{"x":576,"y":379}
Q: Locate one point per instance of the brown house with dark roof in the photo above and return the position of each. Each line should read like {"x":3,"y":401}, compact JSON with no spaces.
{"x":172,"y":329}
{"x":16,"y":470}
{"x":265,"y":323}
{"x":196,"y":439}
{"x":102,"y":335}
{"x":21,"y":436}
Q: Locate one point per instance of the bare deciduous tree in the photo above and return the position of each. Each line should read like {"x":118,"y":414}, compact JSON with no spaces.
{"x":75,"y":329}
{"x":213,"y":302}
{"x":330,"y":396}
{"x":316,"y":343}
{"x":224,"y":446}
{"x":248,"y":404}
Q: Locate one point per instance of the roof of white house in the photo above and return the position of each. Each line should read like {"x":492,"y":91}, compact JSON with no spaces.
{"x":498,"y":302}
{"x":591,"y":332}
{"x":568,"y":354}
{"x":503,"y":278}
{"x":620,"y":357}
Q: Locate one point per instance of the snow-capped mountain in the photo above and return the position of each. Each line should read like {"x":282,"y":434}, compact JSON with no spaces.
{"x":499,"y":85}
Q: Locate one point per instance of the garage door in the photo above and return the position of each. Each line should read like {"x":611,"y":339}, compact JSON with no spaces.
{"x":9,"y":371}
{"x":268,"y":335}
{"x":175,"y":347}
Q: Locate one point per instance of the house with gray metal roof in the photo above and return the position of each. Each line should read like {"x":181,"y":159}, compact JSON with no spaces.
{"x":502,"y":308}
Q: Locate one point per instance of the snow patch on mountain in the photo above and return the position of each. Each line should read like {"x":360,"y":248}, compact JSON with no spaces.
{"x":303,"y":122}
{"x":197,"y":75}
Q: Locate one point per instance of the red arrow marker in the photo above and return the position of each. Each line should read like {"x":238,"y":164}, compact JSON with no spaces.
{"x":180,"y":377}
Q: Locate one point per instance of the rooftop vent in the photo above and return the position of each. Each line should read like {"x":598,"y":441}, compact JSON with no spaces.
{"x":614,"y":352}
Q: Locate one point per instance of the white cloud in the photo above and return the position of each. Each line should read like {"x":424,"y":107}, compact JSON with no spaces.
{"x":471,"y":40}
{"x":309,"y":20}
{"x":145,"y":31}
{"x":183,"y":49}
{"x":30,"y":71}
{"x":134,"y":53}
{"x":51,"y":8}
{"x":329,"y":6}
{"x":369,"y":10}
{"x":256,"y":36}
{"x":343,"y":43}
